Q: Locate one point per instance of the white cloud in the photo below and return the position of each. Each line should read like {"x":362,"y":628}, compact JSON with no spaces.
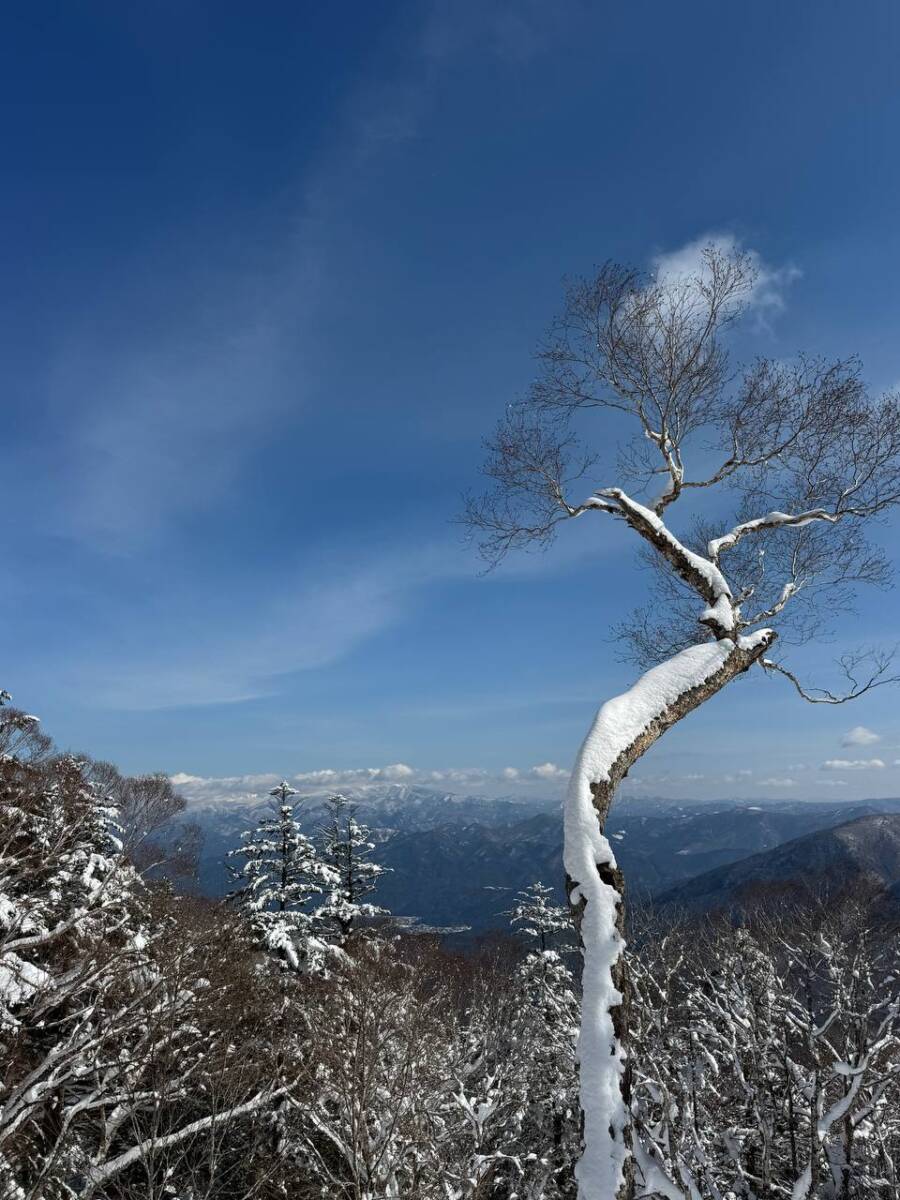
{"x":549,"y":770}
{"x":775,"y":782}
{"x":510,"y":773}
{"x":852,"y":764}
{"x":737,"y":776}
{"x":393,"y":773}
{"x":685,"y":263}
{"x":859,"y":735}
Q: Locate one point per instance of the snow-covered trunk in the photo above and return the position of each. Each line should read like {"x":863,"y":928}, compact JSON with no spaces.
{"x":623,"y":730}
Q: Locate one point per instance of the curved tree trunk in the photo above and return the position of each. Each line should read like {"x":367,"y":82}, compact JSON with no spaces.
{"x":623,"y":730}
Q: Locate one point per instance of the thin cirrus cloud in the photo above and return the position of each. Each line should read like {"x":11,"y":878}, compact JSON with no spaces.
{"x":326,"y":606}
{"x":158,"y":421}
{"x":323,"y":612}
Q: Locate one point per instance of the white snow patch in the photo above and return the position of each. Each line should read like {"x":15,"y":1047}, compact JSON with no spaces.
{"x":720,"y":613}
{"x":19,"y":980}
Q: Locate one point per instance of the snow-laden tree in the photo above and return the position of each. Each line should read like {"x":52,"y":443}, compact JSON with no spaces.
{"x":793,"y":461}
{"x":279,"y":878}
{"x":112,"y":1040}
{"x":769,"y":1059}
{"x":346,"y":847}
{"x":70,"y":934}
{"x":373,"y":1080}
{"x":546,"y":1029}
{"x":535,"y":916}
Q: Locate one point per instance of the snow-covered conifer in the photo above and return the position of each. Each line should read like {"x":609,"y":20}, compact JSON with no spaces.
{"x":279,"y":878}
{"x":347,"y":848}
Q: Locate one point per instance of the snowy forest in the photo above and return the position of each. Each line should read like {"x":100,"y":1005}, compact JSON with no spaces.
{"x":291,"y":1041}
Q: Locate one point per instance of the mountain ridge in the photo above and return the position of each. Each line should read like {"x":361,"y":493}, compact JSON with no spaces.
{"x":864,"y":850}
{"x":456,"y":860}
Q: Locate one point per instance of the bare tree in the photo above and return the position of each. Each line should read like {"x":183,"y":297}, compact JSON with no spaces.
{"x":148,"y":807}
{"x":800,"y":460}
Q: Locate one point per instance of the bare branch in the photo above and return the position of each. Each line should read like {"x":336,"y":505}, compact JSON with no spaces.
{"x":532,"y":466}
{"x":877,"y":676}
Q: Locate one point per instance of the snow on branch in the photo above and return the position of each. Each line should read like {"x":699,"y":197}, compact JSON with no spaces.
{"x":704,"y":576}
{"x":772,"y":520}
{"x":101,"y":1174}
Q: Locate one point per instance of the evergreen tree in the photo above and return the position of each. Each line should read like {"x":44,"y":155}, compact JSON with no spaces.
{"x":280,"y":877}
{"x":346,"y":848}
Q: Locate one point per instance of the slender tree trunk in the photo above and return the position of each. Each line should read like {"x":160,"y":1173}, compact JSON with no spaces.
{"x":595,"y":887}
{"x":815,"y":1145}
{"x":620,"y":1015}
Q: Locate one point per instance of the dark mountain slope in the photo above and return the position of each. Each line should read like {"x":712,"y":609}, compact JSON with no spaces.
{"x":465,"y":874}
{"x":866,"y":851}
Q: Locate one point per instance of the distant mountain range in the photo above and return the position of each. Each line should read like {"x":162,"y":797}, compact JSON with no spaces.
{"x":458,"y":860}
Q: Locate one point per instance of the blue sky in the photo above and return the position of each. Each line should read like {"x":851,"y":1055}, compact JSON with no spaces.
{"x":268,"y":279}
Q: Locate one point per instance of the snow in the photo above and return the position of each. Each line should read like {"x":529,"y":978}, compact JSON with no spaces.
{"x":721,"y":613}
{"x":771,"y":520}
{"x":715,"y":580}
{"x":623,"y":718}
{"x":618,"y":723}
{"x":11,"y":916}
{"x":753,"y":641}
{"x":19,"y":980}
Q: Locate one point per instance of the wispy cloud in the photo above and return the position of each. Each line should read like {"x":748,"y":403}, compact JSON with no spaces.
{"x":163,"y":429}
{"x":323,"y":609}
{"x":212,"y":343}
{"x":243,"y":644}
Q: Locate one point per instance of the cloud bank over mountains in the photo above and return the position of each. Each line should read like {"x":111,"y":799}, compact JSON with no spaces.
{"x":543,"y":779}
{"x":548,"y":780}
